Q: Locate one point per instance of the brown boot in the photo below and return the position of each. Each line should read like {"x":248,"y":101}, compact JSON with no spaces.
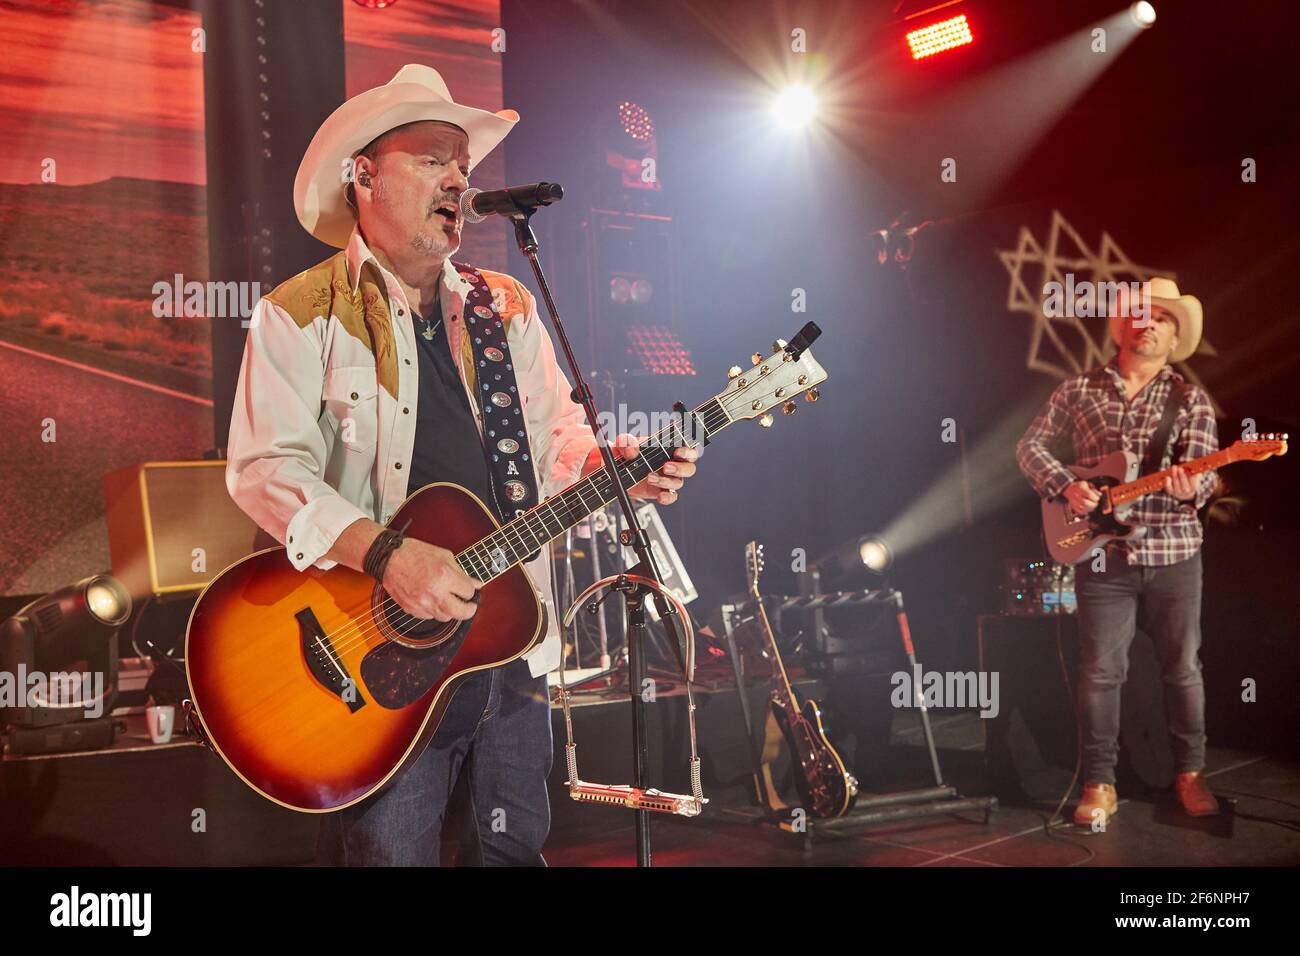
{"x":1194,"y":795}
{"x":1096,"y":796}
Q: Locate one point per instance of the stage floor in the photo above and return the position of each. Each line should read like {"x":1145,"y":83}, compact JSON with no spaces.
{"x":1259,"y":825}
{"x":134,"y":808}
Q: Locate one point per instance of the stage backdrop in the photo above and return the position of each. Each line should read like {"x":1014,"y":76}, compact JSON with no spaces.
{"x":105,"y":350}
{"x":101,"y":196}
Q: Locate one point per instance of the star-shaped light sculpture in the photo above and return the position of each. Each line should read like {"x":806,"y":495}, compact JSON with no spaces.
{"x":1066,"y":345}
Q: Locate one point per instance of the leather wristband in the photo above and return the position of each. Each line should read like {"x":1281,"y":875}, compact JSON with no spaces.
{"x":380,"y":550}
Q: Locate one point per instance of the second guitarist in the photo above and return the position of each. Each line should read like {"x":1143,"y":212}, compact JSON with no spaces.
{"x":1121,"y":406}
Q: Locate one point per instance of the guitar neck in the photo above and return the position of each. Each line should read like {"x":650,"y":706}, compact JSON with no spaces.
{"x":516,"y":540}
{"x":1147,"y":484}
{"x":781,"y":675}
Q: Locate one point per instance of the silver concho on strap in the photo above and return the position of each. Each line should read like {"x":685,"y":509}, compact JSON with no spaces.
{"x":516,"y":491}
{"x":495,"y":355}
{"x":500,"y":399}
{"x":508,"y":445}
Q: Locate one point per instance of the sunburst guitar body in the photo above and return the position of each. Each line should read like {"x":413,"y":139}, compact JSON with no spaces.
{"x":316,"y":689}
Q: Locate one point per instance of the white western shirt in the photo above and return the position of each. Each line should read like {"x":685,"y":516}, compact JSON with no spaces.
{"x":304,"y":477}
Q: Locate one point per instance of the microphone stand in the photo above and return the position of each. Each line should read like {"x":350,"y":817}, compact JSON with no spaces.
{"x":632,"y":536}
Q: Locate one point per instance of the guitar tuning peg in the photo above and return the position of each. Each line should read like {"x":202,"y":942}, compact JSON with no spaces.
{"x":789,"y":408}
{"x":778,"y":345}
{"x":765,"y":420}
{"x":734,"y":371}
{"x":757,"y":357}
{"x":812,"y":394}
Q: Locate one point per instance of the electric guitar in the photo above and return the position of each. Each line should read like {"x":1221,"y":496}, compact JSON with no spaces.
{"x":1072,"y":537}
{"x":317,"y":689}
{"x":825,"y":787}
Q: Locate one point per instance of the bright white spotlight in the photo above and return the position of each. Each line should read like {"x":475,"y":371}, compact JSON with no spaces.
{"x":875,"y":554}
{"x":795,"y":107}
{"x":1143,"y":14}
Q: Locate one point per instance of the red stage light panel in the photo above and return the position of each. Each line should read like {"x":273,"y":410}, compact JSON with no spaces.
{"x":937,"y":37}
{"x":659,"y":350}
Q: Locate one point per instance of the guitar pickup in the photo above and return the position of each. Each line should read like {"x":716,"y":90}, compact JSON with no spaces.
{"x":324,"y":662}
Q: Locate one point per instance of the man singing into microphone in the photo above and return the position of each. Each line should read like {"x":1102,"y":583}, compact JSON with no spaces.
{"x":385,"y":368}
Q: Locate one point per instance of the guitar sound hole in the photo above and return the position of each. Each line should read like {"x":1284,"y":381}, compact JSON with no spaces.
{"x":401,"y":628}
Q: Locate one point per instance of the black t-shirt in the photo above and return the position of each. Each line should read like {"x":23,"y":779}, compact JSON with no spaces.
{"x":447,"y":443}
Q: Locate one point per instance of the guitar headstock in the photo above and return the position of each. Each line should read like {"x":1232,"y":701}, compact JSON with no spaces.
{"x":753,"y":566}
{"x":774,"y":381}
{"x":1259,"y":447}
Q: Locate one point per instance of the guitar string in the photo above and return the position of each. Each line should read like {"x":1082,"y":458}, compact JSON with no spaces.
{"x":365,"y":629}
{"x":359,"y":632}
{"x":536,"y":514}
{"x":362,"y":631}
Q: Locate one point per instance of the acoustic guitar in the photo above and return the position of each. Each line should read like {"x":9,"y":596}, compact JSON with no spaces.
{"x":317,"y":689}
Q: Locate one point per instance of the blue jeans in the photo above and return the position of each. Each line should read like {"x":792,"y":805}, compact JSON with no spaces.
{"x":1109,"y":601}
{"x":497,"y":730}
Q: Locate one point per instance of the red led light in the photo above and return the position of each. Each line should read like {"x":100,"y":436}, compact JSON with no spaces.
{"x":659,"y":350}
{"x":937,"y":37}
{"x":636,"y":121}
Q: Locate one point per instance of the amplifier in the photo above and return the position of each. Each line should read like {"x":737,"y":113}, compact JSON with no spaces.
{"x":172,"y":527}
{"x":1037,"y":588}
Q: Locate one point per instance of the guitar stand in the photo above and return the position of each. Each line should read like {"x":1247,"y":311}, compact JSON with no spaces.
{"x":637,"y":797}
{"x":868,"y":810}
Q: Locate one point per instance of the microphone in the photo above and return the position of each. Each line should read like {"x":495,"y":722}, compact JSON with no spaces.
{"x":512,"y":202}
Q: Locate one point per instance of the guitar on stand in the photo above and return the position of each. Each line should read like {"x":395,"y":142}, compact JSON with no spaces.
{"x":820,"y":775}
{"x":826,"y":789}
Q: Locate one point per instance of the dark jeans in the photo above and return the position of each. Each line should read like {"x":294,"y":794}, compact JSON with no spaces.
{"x":1170,"y":601}
{"x":497,"y":730}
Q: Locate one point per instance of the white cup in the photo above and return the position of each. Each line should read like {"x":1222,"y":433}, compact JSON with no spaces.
{"x":161,"y":720}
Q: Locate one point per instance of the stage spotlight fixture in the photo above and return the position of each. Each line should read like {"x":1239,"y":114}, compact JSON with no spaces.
{"x":1144,"y":14}
{"x":940,"y":36}
{"x":876,"y":555}
{"x":795,"y":107}
{"x":849,"y":558}
{"x":73,"y":629}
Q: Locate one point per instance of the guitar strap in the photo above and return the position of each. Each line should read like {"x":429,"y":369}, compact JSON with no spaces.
{"x":1159,"y":443}
{"x":505,"y":439}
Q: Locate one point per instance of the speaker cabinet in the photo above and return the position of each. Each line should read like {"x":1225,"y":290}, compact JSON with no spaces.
{"x":172,"y":527}
{"x":1030,"y":746}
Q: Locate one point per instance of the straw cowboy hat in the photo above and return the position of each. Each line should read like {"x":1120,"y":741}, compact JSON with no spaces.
{"x":1186,"y":310}
{"x":416,"y":93}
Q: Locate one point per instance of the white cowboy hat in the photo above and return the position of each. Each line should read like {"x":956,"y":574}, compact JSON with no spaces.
{"x":1186,"y":310}
{"x":416,"y":93}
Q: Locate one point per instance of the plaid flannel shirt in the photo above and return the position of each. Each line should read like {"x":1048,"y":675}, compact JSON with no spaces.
{"x":1091,"y":417}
